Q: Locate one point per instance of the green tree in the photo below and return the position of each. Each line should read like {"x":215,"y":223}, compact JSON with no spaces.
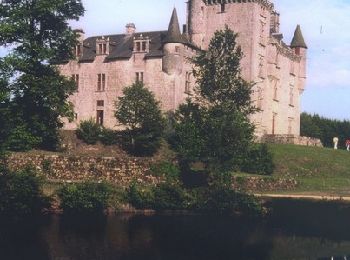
{"x":38,"y":33}
{"x":140,"y":113}
{"x":213,"y":127}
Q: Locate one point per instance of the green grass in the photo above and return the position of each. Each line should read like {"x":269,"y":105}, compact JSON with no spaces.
{"x":317,"y":170}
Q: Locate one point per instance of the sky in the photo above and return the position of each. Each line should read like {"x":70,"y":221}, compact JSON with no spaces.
{"x":325,"y":25}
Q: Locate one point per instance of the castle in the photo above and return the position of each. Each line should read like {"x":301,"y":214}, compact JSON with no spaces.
{"x":104,"y":65}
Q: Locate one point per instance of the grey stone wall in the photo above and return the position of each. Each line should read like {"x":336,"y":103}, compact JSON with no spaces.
{"x":78,"y":168}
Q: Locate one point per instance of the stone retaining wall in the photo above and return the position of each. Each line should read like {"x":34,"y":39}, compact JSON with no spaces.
{"x":292,"y":139}
{"x":77,"y":168}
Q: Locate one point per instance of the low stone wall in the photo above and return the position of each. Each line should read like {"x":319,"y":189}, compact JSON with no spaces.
{"x":292,"y":139}
{"x":77,"y":168}
{"x":261,"y":184}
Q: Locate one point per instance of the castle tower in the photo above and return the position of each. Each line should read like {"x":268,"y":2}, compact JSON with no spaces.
{"x":196,"y":22}
{"x":300,"y":48}
{"x":173,"y":47}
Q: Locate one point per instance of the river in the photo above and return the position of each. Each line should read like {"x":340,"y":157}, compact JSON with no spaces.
{"x":293,"y":230}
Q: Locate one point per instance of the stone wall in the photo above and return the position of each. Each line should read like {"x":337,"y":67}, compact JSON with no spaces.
{"x":78,"y":168}
{"x":292,"y":139}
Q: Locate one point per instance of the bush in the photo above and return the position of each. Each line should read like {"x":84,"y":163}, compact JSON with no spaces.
{"x":108,"y":136}
{"x":170,"y":196}
{"x":20,"y":140}
{"x":21,"y":194}
{"x":165,"y":196}
{"x":140,"y":197}
{"x":166,"y":170}
{"x":225,"y":200}
{"x":89,"y":131}
{"x":259,"y":161}
{"x":84,"y":198}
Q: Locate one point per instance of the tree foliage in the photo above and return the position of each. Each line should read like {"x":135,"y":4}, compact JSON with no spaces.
{"x":213,"y":127}
{"x":325,"y":129}
{"x":37,"y":34}
{"x":140,"y":113}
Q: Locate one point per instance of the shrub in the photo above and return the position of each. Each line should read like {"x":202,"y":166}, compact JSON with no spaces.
{"x":108,"y":136}
{"x":140,"y":197}
{"x":166,"y":170}
{"x":89,"y":131}
{"x":259,"y":161}
{"x":20,"y":140}
{"x":170,"y":196}
{"x":84,"y":198}
{"x":21,"y":194}
{"x":225,"y":200}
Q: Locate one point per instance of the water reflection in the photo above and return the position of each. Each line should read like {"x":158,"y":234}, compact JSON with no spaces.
{"x":294,"y":230}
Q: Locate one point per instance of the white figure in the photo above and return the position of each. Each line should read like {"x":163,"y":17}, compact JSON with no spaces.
{"x":335,"y":142}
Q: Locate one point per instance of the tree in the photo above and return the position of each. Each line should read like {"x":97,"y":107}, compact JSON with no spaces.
{"x":213,"y":128}
{"x":140,"y":113}
{"x":38,"y":33}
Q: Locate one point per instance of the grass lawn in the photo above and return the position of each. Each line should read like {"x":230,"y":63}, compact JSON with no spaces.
{"x":317,"y":170}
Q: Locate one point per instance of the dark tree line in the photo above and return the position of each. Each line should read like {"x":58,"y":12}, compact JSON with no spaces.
{"x":325,"y":129}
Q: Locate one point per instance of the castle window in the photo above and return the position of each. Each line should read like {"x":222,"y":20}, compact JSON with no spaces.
{"x":100,"y":103}
{"x":139,"y":77}
{"x":259,"y":99}
{"x":290,"y":125}
{"x":177,"y":49}
{"x":291,"y":97}
{"x":78,"y":50}
{"x":102,"y":46}
{"x":144,"y":44}
{"x":99,"y":117}
{"x":75,"y":77}
{"x":188,"y":83}
{"x":275,"y":91}
{"x":101,"y":82}
{"x":141,"y":44}
{"x":222,"y":8}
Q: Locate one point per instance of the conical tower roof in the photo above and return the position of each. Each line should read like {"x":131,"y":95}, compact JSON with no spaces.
{"x":174,"y":34}
{"x":298,"y":39}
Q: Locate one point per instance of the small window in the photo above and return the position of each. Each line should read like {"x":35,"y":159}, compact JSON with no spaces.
{"x":102,"y":48}
{"x":291,"y":97}
{"x":101,"y":82}
{"x":138,"y":46}
{"x":100,"y":103}
{"x":139,"y":77}
{"x":188,"y":83}
{"x":75,"y":77}
{"x":99,"y":117}
{"x":222,"y":8}
{"x":144,"y":46}
{"x":177,"y":49}
{"x":78,"y":50}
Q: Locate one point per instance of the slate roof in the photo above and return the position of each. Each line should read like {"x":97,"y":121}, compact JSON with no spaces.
{"x":121,"y":46}
{"x":298,"y":39}
{"x":174,"y":35}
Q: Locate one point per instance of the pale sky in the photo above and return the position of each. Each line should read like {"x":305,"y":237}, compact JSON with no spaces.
{"x":325,"y":25}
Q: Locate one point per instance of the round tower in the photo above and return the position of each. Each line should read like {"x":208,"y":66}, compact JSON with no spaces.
{"x":196,"y":21}
{"x":173,"y":47}
{"x":300,"y":48}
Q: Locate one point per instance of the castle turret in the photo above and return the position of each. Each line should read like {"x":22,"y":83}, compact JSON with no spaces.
{"x":300,"y":48}
{"x":196,"y":22}
{"x":173,"y":47}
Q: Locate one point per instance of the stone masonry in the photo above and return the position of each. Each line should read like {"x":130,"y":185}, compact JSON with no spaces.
{"x":104,"y":65}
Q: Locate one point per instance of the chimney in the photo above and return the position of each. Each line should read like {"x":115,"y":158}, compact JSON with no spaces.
{"x":130,"y":28}
{"x":81,"y":34}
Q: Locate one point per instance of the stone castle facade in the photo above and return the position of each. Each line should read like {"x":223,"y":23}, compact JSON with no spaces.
{"x":104,"y":65}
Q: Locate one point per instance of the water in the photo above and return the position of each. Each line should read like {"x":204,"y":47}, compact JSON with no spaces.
{"x":294,"y":230}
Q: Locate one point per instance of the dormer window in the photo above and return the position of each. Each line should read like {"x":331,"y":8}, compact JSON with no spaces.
{"x":141,"y":44}
{"x":78,"y":50}
{"x":102,"y":46}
